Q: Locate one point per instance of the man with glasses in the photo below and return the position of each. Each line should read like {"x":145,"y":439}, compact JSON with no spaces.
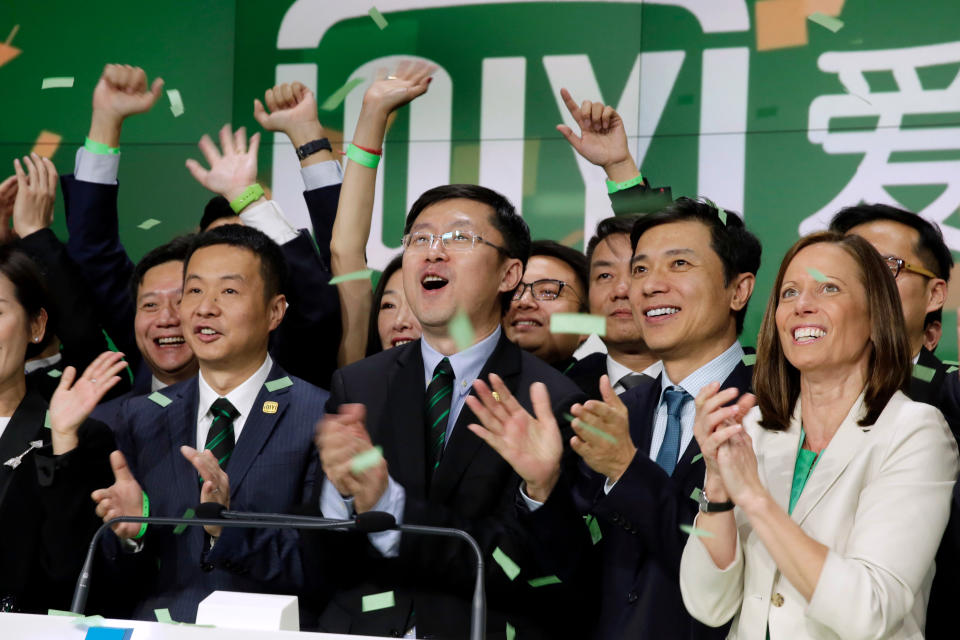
{"x":464,"y":253}
{"x":554,"y":281}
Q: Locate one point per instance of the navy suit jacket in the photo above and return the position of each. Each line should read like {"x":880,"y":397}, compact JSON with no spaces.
{"x":307,"y":340}
{"x":640,"y":522}
{"x":587,"y":371}
{"x":272,"y":469}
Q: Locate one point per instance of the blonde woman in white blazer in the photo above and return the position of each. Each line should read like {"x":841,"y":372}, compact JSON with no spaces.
{"x":842,"y":484}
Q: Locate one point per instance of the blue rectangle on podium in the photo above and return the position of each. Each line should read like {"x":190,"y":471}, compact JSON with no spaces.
{"x":108,"y":633}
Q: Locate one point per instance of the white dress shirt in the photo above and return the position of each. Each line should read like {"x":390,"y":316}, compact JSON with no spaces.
{"x":616,"y":372}
{"x":242,"y":398}
{"x":39,"y":363}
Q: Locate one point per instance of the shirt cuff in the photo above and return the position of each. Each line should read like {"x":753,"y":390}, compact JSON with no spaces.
{"x":393,"y":501}
{"x":268,"y":218}
{"x":96,"y":167}
{"x":332,"y":504}
{"x":532,"y":504}
{"x":322,"y":174}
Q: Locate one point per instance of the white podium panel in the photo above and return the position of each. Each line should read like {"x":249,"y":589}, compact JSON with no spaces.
{"x":22,"y":626}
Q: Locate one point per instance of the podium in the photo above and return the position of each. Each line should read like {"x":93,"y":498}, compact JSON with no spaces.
{"x":24,"y":626}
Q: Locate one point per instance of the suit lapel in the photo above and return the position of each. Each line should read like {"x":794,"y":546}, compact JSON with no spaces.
{"x":181,"y":417}
{"x":402,"y":433}
{"x":463,"y":445}
{"x":25,"y":425}
{"x":776,"y":458}
{"x":846,"y":442}
{"x":257,"y":429}
{"x":641,"y":403}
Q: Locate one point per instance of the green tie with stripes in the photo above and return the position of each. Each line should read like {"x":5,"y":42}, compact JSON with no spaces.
{"x":439,"y":396}
{"x":220,"y":438}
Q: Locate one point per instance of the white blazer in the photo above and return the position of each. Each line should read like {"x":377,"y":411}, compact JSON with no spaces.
{"x":878,"y":498}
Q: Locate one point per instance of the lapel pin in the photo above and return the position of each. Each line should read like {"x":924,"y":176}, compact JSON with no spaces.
{"x":270,"y":406}
{"x":14,"y":462}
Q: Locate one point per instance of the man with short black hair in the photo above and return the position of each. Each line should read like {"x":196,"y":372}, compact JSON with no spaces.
{"x":554,"y":281}
{"x":240,"y":434}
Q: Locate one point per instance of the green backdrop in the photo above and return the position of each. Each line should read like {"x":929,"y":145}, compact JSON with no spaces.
{"x":739,"y":101}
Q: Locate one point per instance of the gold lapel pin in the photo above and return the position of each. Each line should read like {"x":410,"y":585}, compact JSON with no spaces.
{"x":270,"y":406}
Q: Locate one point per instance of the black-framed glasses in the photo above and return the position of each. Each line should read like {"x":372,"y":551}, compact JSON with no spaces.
{"x":896,"y":265}
{"x":543,"y":290}
{"x":450,"y":240}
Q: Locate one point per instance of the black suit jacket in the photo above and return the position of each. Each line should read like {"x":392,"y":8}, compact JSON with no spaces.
{"x":640,"y":522}
{"x":472,"y":489}
{"x":586,"y":374}
{"x":46,"y":516}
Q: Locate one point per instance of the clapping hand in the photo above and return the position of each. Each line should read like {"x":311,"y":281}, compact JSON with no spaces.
{"x":340,"y":438}
{"x":603,"y":433}
{"x":714,"y":425}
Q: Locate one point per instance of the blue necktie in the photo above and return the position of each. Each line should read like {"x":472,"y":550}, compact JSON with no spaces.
{"x":670,"y":449}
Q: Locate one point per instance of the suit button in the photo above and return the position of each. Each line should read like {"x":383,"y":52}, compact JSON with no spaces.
{"x":776,"y":600}
{"x":632,"y":597}
{"x":207,"y":566}
{"x":615,"y":517}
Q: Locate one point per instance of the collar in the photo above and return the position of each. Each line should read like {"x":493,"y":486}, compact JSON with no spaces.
{"x":243,"y":397}
{"x":156,"y":385}
{"x":616,"y":371}
{"x":466,"y":364}
{"x":717,"y":370}
{"x":40,"y":363}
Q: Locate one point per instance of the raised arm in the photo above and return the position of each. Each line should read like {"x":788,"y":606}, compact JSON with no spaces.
{"x":351,"y":230}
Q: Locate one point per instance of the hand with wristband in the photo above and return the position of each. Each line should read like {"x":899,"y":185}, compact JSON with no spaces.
{"x":233,"y":173}
{"x":121,"y":92}
{"x":124,"y":497}
{"x":602,"y":140}
{"x":293,"y":111}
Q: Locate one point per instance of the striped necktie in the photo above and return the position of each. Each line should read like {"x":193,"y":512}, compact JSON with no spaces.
{"x":439,"y":397}
{"x":220,"y":438}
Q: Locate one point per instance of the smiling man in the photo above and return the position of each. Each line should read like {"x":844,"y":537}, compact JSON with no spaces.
{"x":555,"y":281}
{"x":464,"y":253}
{"x":252,"y":422}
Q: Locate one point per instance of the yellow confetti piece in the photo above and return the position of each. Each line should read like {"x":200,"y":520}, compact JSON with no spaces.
{"x":693,"y":531}
{"x":148,"y":224}
{"x":56,"y":83}
{"x":578,"y":323}
{"x":365,"y":274}
{"x":377,"y":17}
{"x":338,"y":96}
{"x":816,"y":274}
{"x":377,"y":601}
{"x":366,"y":460}
{"x":46,"y":144}
{"x":176,"y":102}
{"x":592,"y":429}
{"x":511,"y":568}
{"x":461,"y":330}
{"x":825,"y":21}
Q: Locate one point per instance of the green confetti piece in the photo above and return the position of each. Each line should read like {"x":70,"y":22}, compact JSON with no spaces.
{"x":177,"y":530}
{"x":163,"y":615}
{"x":377,"y":601}
{"x":951,"y":369}
{"x":592,"y":429}
{"x":825,"y":21}
{"x":509,"y":566}
{"x":723,"y":216}
{"x":159,"y":398}
{"x":54,"y":373}
{"x":594,"y":527}
{"x":816,"y":274}
{"x":767,"y":112}
{"x":544,"y":581}
{"x":340,"y":94}
{"x":176,"y":102}
{"x":56,"y":83}
{"x":148,"y":224}
{"x":377,"y":17}
{"x":369,"y":458}
{"x":693,"y":531}
{"x":46,"y":420}
{"x":89,"y":621}
{"x":58,"y":612}
{"x":461,"y":330}
{"x":923,"y":373}
{"x":953,"y":362}
{"x":696,"y":457}
{"x":749,"y":359}
{"x":578,"y":323}
{"x":279,"y":383}
{"x":511,"y":632}
{"x":356,"y":275}
{"x":695,"y":496}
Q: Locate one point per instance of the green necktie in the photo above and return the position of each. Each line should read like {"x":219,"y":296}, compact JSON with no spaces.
{"x":439,"y":396}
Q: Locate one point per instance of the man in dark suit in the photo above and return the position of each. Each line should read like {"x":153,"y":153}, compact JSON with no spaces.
{"x":627,"y":361}
{"x":920,"y":261}
{"x":464,"y":251}
{"x":257,"y":426}
{"x":90,"y":197}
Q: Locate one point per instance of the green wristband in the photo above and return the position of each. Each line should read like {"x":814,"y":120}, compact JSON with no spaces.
{"x":362,"y":157}
{"x":250,"y":194}
{"x":613,"y":187}
{"x":146,"y":514}
{"x":100,"y":148}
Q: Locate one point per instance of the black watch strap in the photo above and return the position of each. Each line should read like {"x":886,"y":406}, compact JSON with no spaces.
{"x":312,"y":147}
{"x":713,"y":507}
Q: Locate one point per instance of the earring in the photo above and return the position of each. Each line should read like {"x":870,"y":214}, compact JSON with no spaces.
{"x":36,"y":338}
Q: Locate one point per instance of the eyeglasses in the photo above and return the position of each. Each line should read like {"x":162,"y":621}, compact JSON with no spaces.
{"x":542,"y":290}
{"x":451,"y":240}
{"x":896,"y":265}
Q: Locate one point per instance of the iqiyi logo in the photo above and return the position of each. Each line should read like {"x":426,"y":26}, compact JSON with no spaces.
{"x":498,"y":89}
